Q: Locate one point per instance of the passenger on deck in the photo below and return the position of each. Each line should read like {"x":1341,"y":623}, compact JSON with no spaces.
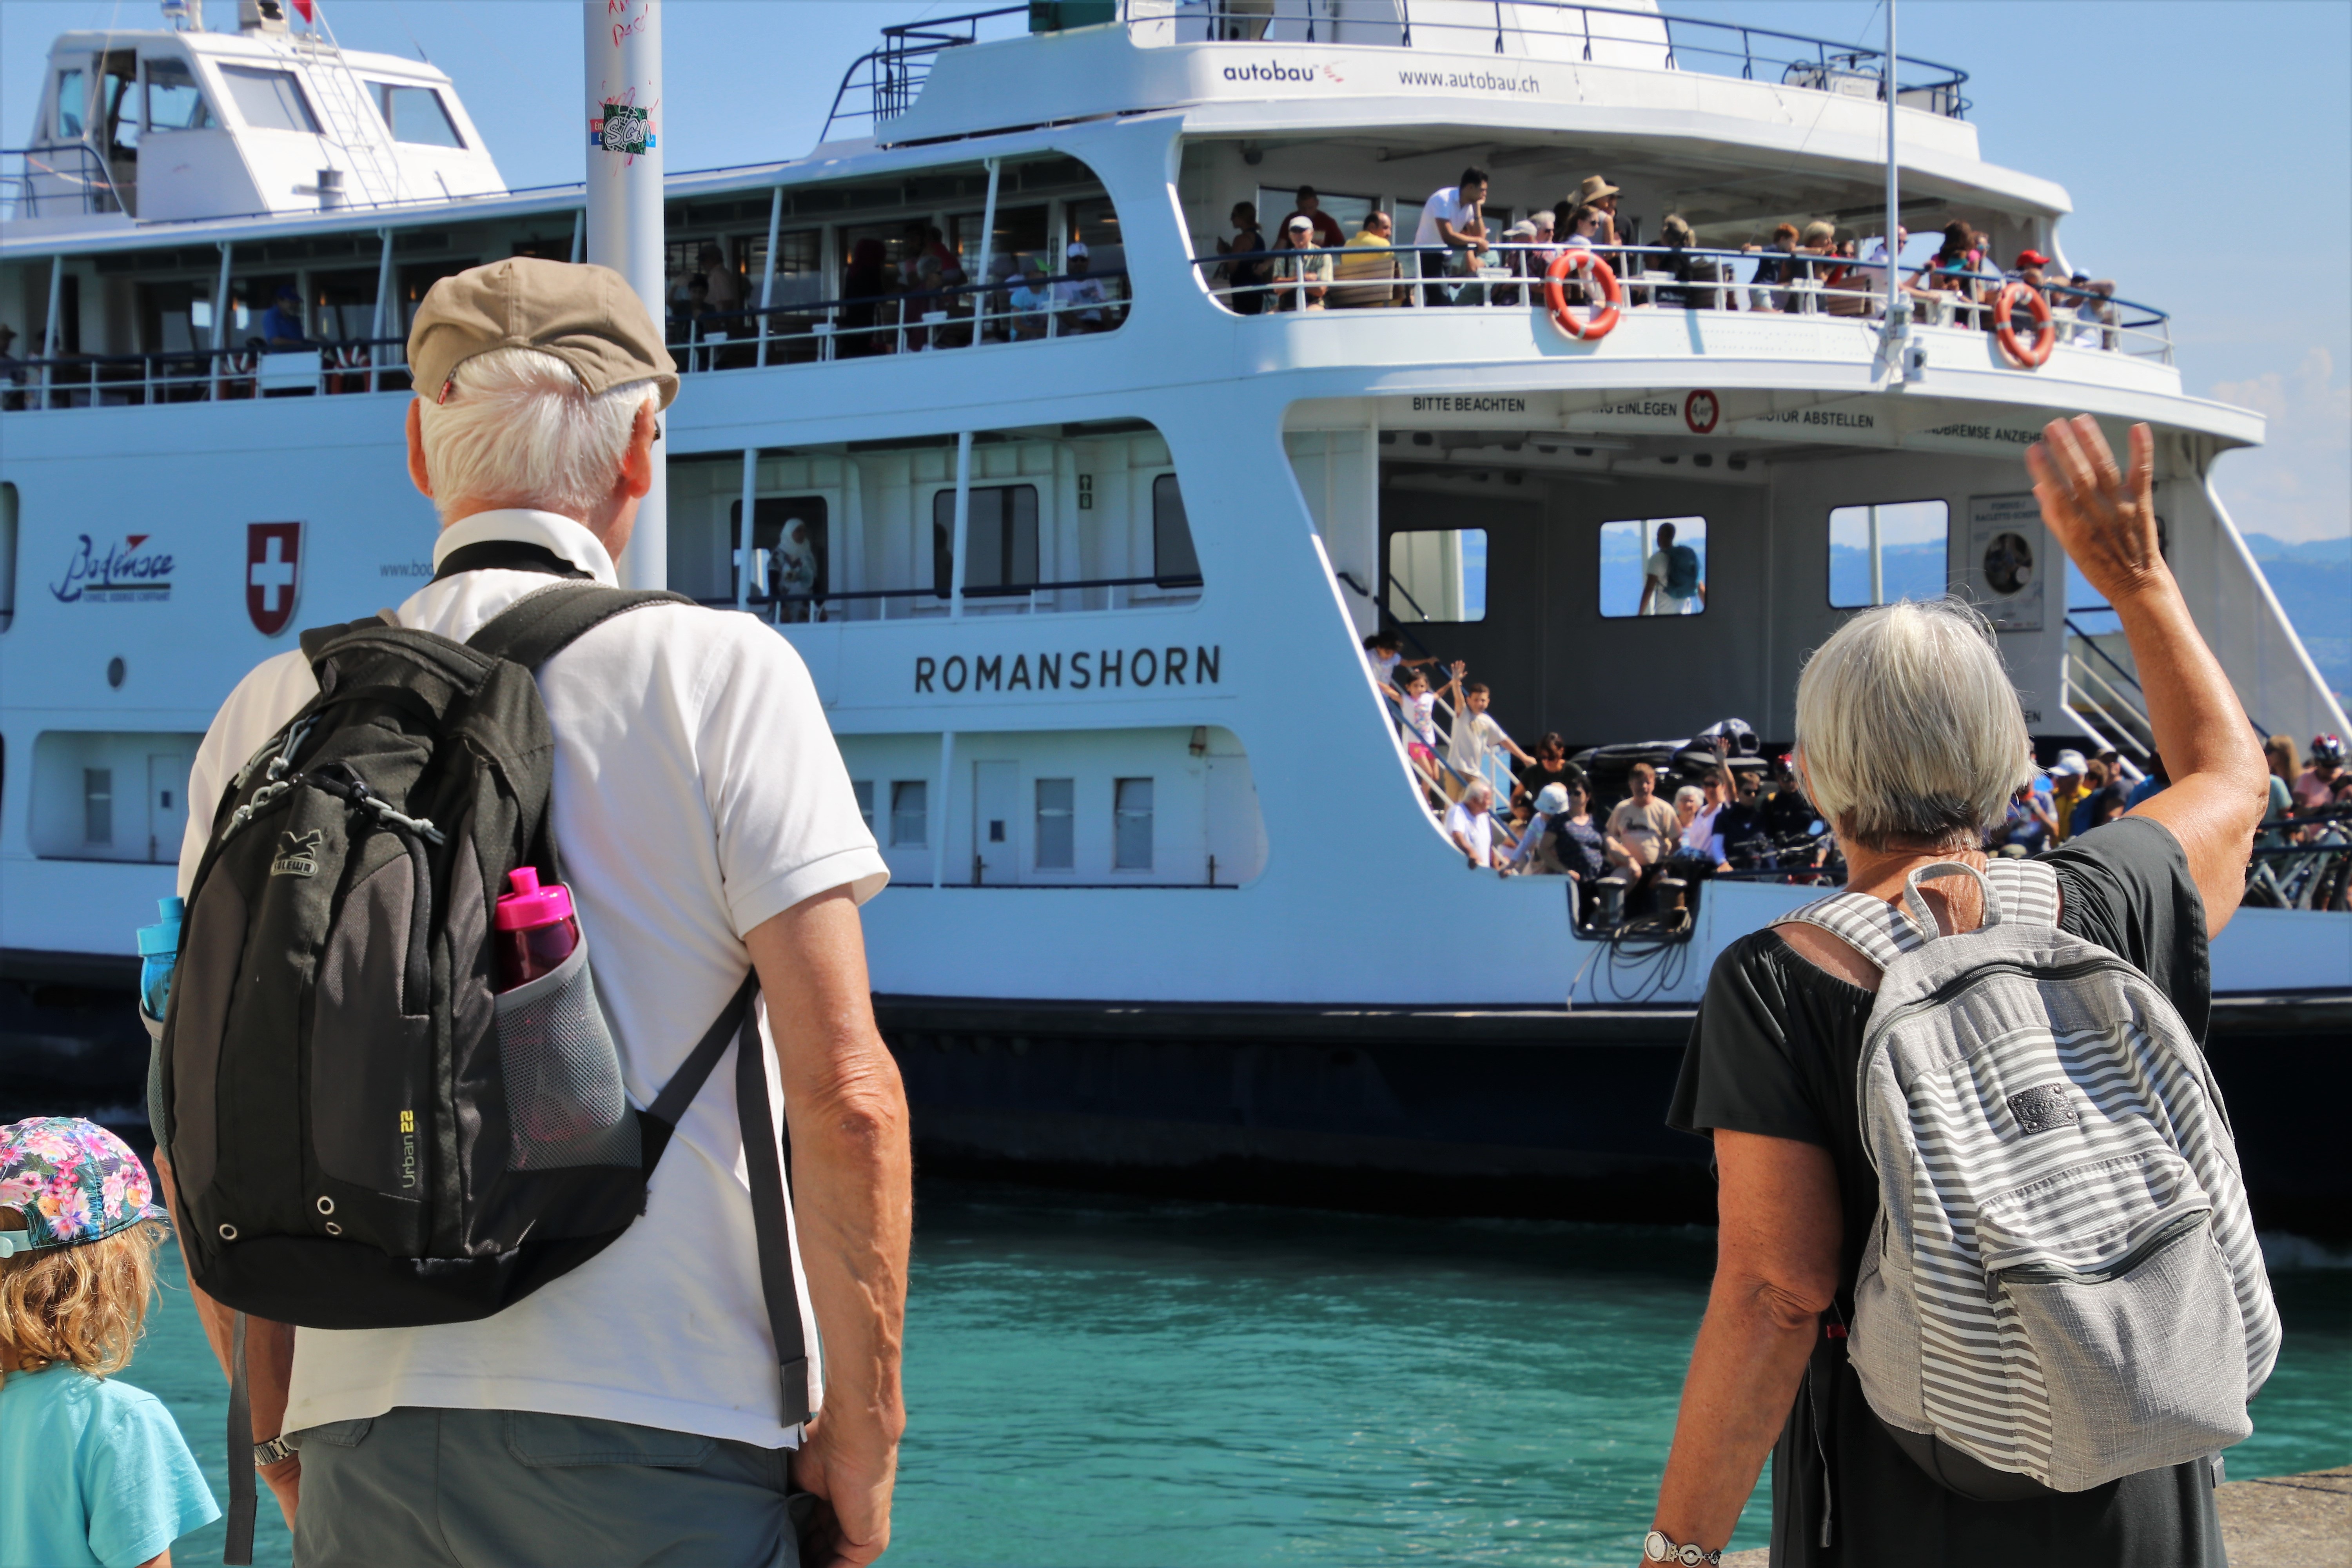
{"x":1030,"y":298}
{"x":1739,"y":826}
{"x":281,"y":324}
{"x":726,"y":290}
{"x":1239,"y":279}
{"x":2068,"y":787}
{"x":1641,"y":831}
{"x":1450,"y":217}
{"x":2315,"y":790}
{"x":1695,"y":277}
{"x":1552,"y":766}
{"x":1597,"y":194}
{"x":1672,"y":581}
{"x":1577,"y":841}
{"x":1365,"y":275}
{"x":1695,"y":854}
{"x":2027,"y":828}
{"x":1471,"y":824}
{"x":12,"y":371}
{"x":2098,"y":774}
{"x":1533,"y":855}
{"x":1476,"y":740}
{"x":1080,"y":297}
{"x":1327,"y":232}
{"x":1302,"y":275}
{"x":1419,"y":706}
{"x":1385,"y":654}
{"x":2093,"y":303}
{"x":864,"y":283}
{"x":1949,"y":277}
{"x":2279,"y":753}
{"x":1769,"y":290}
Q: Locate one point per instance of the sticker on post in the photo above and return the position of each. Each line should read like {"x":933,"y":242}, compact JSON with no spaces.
{"x":623,"y":129}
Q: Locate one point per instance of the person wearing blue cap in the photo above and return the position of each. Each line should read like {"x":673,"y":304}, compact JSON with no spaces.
{"x":92,"y":1471}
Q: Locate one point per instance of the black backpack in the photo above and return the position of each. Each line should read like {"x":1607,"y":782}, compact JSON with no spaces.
{"x":361,"y":1134}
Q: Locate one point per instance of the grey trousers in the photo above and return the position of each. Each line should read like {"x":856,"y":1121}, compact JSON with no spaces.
{"x":508,"y":1488}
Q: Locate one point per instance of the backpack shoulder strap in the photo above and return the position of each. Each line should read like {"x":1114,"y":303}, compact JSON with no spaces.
{"x":317,"y":640}
{"x":2028,"y":891}
{"x":1871,"y":926}
{"x":541,"y":625}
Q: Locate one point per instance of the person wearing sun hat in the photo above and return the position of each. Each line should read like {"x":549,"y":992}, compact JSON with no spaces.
{"x":91,"y":1470}
{"x":709,"y":835}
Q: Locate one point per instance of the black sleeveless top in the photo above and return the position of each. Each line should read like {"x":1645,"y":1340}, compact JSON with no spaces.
{"x":1774,"y":1052}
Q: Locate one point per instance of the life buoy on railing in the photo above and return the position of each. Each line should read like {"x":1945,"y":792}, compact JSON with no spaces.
{"x":1611,"y":296}
{"x":2046,"y":332}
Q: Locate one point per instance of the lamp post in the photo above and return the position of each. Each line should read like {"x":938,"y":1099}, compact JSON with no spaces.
{"x":622,"y":76}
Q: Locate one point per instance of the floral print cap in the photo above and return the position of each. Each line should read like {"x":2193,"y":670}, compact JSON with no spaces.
{"x":73,"y":1181}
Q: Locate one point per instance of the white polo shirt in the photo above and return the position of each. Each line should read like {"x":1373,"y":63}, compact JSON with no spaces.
{"x":697,"y":791}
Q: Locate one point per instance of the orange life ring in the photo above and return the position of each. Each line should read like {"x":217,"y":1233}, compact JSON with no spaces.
{"x":2046,"y":332}
{"x":1603,"y":320}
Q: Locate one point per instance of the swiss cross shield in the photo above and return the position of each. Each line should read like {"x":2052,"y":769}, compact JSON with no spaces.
{"x":273,"y":574}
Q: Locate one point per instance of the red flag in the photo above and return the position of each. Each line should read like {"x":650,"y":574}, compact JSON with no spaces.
{"x":309,"y":10}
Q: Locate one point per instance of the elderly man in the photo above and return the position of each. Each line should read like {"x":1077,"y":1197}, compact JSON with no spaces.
{"x":618,"y":1413}
{"x":1365,"y":275}
{"x":1471,"y":824}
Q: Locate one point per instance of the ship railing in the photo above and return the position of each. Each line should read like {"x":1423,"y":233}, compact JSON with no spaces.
{"x":962,"y":315}
{"x":204,"y":375}
{"x":2303,"y":860}
{"x":778,"y":607}
{"x":891,"y":77}
{"x":1559,"y":30}
{"x":1511,"y":275}
{"x":57,"y":182}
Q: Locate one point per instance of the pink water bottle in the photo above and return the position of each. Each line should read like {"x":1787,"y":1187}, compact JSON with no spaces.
{"x":536,"y":930}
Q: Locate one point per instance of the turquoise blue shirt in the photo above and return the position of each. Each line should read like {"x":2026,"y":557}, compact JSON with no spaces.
{"x":92,"y":1472}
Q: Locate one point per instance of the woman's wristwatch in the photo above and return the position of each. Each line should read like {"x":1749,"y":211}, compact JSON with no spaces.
{"x":1656,"y":1548}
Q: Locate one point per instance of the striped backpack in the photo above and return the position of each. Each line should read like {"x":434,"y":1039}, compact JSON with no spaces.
{"x":2062,"y":1284}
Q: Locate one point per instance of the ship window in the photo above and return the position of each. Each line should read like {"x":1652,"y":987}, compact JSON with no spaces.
{"x":1438,"y":575}
{"x":1634,"y":550}
{"x":269,"y":100}
{"x":71,"y":94}
{"x":1131,"y":826}
{"x":800,"y":267}
{"x":1057,"y":840}
{"x":97,"y":805}
{"x":1002,"y":537}
{"x":1904,"y":541}
{"x":174,"y":102}
{"x":416,"y":114}
{"x":863,"y":790}
{"x":1094,"y":222}
{"x":1174,"y":564}
{"x":910,"y":813}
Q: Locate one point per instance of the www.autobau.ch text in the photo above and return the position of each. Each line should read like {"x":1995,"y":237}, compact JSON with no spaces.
{"x":1469,"y":81}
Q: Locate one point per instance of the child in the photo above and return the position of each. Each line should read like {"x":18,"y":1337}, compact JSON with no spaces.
{"x":1419,"y":705}
{"x":1475,"y":736}
{"x":91,"y":1471}
{"x":1383,"y":652}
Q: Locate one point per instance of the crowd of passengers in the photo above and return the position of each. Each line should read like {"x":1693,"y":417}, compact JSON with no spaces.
{"x":1516,"y":813}
{"x":921,"y":301}
{"x":1459,"y":257}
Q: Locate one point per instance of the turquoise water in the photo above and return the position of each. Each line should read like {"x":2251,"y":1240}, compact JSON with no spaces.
{"x":1102,"y":1383}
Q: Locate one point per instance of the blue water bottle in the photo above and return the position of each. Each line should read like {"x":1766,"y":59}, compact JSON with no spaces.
{"x":159,"y":948}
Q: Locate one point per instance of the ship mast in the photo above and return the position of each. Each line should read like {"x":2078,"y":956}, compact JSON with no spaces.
{"x":1897,"y":330}
{"x":623,"y":70}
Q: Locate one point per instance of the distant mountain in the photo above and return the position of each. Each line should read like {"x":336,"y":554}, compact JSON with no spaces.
{"x":2311,"y":551}
{"x":2314,"y":583}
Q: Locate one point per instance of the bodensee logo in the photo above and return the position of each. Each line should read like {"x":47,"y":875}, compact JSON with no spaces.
{"x":121,"y":571}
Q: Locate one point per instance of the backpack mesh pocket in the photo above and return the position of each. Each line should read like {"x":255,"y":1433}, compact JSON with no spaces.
{"x":565,"y":1104}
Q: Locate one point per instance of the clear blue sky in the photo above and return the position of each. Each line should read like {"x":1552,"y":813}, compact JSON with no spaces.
{"x":2208,"y":148}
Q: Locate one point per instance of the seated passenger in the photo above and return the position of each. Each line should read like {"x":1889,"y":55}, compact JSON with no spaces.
{"x":1080,"y":297}
{"x":1533,"y":855}
{"x":723,"y":287}
{"x":2315,"y":790}
{"x":1552,"y":766}
{"x":1768,"y":289}
{"x":1239,"y":281}
{"x":1641,"y":831}
{"x":865,"y":282}
{"x":1031,"y":300}
{"x":1596,"y":194}
{"x":1578,"y":843}
{"x":1471,"y":824}
{"x":1327,"y":232}
{"x":1365,"y":275}
{"x":1695,"y":277}
{"x":1672,"y":583}
{"x":1302,"y":275}
{"x":1949,"y":277}
{"x":2092,"y":303}
{"x":281,"y":324}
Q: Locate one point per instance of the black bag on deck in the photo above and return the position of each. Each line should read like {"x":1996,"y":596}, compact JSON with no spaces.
{"x":361,"y":1134}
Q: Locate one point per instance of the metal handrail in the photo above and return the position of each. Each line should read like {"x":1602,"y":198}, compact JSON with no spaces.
{"x":895,"y":72}
{"x":89,"y":188}
{"x":199,"y":375}
{"x":1829,"y":282}
{"x":698,"y":351}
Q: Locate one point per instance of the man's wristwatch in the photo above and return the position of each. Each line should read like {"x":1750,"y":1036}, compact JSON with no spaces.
{"x":277,"y":1449}
{"x":1656,"y":1548}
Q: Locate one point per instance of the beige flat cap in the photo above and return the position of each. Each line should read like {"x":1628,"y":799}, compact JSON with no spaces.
{"x":588,"y":317}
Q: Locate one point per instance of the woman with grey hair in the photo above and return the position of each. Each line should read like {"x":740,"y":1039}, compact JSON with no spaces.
{"x":1911,"y":741}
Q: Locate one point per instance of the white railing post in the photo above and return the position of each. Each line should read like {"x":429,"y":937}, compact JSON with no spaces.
{"x":384,"y":281}
{"x":743,"y":532}
{"x":53,"y":333}
{"x":961,"y":536}
{"x":221,"y":311}
{"x":987,"y":254}
{"x":768,"y":272}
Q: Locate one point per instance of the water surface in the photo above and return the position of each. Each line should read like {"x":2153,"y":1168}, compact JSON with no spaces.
{"x":1108,"y":1384}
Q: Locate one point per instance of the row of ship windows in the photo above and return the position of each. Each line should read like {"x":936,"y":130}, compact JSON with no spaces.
{"x":1055,"y":837}
{"x":1653,"y":566}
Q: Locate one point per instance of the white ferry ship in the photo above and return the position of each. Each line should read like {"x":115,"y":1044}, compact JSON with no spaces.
{"x":1081,"y":569}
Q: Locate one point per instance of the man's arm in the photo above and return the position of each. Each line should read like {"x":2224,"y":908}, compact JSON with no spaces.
{"x":854,"y":1204}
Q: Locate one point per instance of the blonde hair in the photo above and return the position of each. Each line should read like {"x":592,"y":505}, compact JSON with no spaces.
{"x":83,"y":1305}
{"x":1907,"y":724}
{"x":519,"y":430}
